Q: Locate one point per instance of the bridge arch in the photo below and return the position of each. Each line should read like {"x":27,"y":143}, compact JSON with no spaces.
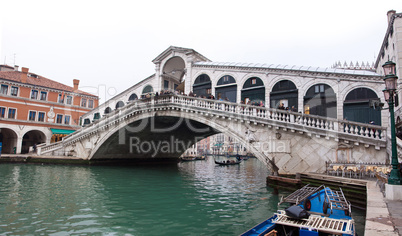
{"x":311,"y":82}
{"x":173,"y":73}
{"x":377,"y":89}
{"x":9,"y":138}
{"x":275,"y":79}
{"x":236,"y":130}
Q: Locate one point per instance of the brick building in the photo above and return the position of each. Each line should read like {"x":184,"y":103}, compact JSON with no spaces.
{"x":34,"y":109}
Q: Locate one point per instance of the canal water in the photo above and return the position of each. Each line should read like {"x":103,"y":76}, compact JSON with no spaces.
{"x":190,"y":198}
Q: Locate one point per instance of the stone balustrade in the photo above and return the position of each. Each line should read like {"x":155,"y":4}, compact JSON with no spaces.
{"x":320,"y":126}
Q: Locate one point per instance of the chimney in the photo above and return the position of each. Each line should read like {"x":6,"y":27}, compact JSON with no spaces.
{"x":24,"y":75}
{"x":390,"y":13}
{"x":76,"y":82}
{"x":16,"y":68}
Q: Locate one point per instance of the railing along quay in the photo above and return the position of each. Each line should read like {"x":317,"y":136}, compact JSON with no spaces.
{"x":311,"y":124}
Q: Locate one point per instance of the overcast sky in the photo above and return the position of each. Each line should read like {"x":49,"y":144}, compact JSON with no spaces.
{"x":110,"y":45}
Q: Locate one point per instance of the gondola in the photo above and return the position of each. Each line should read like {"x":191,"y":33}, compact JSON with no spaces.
{"x":315,"y":211}
{"x":228,"y":162}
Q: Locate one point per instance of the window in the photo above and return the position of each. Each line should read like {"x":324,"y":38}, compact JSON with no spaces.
{"x":165,"y":84}
{"x":84,"y":102}
{"x":41,"y":116}
{"x":319,"y":88}
{"x":11,"y":113}
{"x":34,"y":94}
{"x":4,"y":89}
{"x":59,"y":119}
{"x":32,"y":115}
{"x":43,"y":96}
{"x":253,"y":81}
{"x":2,"y":112}
{"x":91,"y":103}
{"x":67,"y":120}
{"x":14,"y":91}
{"x":69,"y":100}
{"x":60,"y":99}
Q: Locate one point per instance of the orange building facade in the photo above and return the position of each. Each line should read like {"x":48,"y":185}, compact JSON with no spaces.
{"x":34,"y":109}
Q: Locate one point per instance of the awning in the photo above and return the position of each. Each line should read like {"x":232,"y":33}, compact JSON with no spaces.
{"x":62,"y":131}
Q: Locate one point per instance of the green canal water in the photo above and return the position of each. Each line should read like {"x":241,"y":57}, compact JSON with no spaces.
{"x":190,"y":198}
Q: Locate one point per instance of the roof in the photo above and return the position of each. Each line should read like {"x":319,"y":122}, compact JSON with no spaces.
{"x":287,"y":67}
{"x":385,"y":41}
{"x":172,"y":49}
{"x":37,"y":80}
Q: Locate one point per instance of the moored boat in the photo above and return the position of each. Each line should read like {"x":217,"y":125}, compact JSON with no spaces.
{"x":316,"y":211}
{"x":201,"y":157}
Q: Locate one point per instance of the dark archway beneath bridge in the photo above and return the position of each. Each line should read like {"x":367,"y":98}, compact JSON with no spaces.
{"x":159,"y":137}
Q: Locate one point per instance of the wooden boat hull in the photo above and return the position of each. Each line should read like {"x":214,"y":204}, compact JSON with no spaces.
{"x":224,"y":163}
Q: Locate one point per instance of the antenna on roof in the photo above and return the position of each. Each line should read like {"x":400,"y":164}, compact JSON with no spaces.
{"x":14,"y":58}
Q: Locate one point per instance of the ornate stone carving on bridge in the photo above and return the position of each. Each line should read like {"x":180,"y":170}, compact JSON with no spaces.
{"x":343,"y":152}
{"x":250,"y":137}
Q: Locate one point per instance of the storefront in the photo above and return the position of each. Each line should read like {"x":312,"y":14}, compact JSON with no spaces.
{"x":58,"y":134}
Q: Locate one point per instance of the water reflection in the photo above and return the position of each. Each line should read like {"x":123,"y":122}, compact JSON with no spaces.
{"x":191,"y":198}
{"x":39,"y":199}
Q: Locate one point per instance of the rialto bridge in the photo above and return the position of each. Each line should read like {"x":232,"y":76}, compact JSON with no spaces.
{"x":165,"y":126}
{"x":328,"y":116}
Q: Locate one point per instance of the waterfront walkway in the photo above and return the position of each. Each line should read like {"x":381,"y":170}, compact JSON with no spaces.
{"x":383,"y":217}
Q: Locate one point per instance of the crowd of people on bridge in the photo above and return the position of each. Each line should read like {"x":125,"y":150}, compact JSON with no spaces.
{"x":259,"y":103}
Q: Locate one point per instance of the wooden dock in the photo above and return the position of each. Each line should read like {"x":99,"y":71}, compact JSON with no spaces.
{"x":354,"y":189}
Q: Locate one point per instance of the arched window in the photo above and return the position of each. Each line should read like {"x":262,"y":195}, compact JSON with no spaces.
{"x":108,"y":110}
{"x":87,"y":121}
{"x":320,"y":100}
{"x":356,"y":106}
{"x":226,"y":89}
{"x":133,"y":97}
{"x":253,"y":91}
{"x":202,"y":86}
{"x":119,"y":104}
{"x":284,"y":92}
{"x":147,"y":89}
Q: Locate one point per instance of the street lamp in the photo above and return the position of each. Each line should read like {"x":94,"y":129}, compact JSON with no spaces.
{"x":389,"y":94}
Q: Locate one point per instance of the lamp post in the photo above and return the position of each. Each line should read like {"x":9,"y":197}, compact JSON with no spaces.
{"x":389,"y":94}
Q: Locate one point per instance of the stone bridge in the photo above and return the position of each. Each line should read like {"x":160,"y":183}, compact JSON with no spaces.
{"x":163,"y":127}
